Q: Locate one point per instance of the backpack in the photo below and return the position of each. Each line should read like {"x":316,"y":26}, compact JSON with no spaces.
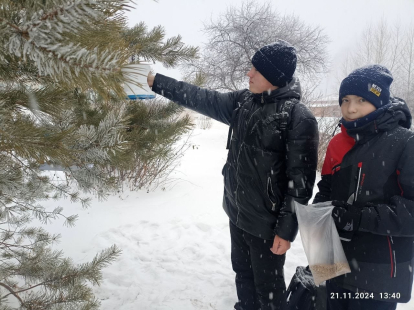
{"x":303,"y":294}
{"x":283,"y":116}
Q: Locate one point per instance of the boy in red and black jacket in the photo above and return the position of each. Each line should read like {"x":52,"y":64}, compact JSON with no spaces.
{"x":368,"y":174}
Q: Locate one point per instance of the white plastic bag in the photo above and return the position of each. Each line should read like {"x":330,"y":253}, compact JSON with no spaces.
{"x":321,"y":241}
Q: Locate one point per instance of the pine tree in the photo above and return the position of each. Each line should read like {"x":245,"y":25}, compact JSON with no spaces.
{"x":62,"y":105}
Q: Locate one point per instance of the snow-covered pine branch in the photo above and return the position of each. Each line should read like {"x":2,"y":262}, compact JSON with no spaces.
{"x":45,"y":36}
{"x":67,"y":130}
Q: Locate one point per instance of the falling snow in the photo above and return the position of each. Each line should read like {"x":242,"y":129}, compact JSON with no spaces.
{"x":175,"y":242}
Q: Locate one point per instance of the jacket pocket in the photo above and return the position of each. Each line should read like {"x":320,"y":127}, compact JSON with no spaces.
{"x":270,"y":193}
{"x":344,"y":182}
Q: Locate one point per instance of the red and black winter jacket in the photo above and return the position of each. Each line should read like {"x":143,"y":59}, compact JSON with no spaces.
{"x":375,"y":163}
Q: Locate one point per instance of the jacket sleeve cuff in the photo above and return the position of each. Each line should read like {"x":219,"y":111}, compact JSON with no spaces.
{"x":155,"y":85}
{"x":287,"y":227}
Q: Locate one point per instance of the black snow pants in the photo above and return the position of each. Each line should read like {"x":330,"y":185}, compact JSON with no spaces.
{"x":343,"y":299}
{"x":260,"y":281}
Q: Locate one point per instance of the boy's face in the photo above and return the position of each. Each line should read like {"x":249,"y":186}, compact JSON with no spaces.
{"x":354,"y":107}
{"x":258,"y":83}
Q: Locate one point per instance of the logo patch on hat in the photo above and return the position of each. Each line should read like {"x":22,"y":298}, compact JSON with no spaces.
{"x":376,"y":90}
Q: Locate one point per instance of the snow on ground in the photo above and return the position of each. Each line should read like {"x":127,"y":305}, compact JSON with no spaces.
{"x":175,"y":242}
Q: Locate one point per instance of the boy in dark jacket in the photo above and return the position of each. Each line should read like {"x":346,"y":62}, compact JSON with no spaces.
{"x":272,"y":143}
{"x":368,"y":174}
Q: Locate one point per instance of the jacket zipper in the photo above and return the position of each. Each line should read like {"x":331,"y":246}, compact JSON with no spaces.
{"x":358,"y":181}
{"x":392,"y":258}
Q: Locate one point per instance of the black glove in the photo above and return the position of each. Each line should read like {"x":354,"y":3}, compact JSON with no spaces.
{"x":346,"y":217}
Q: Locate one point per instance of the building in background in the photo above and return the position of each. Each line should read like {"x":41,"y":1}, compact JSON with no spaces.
{"x":326,"y":107}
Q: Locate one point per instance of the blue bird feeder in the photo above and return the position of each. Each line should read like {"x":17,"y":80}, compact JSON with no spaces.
{"x":136,"y":86}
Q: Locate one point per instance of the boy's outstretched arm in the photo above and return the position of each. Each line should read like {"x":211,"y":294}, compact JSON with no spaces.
{"x":397,"y":217}
{"x":218,"y":106}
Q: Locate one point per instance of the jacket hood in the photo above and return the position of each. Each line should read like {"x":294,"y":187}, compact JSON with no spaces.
{"x":291,"y":90}
{"x":397,"y":113}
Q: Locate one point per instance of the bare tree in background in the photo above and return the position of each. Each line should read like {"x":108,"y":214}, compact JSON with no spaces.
{"x":391,"y":46}
{"x":407,"y":70}
{"x":243,"y":29}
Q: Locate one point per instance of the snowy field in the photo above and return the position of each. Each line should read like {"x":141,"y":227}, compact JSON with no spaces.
{"x":175,"y":242}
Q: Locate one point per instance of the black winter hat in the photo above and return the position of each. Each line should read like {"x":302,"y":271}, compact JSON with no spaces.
{"x":276,"y":62}
{"x":370,"y":82}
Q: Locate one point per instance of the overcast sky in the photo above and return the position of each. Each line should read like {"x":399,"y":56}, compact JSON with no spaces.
{"x":342,"y":20}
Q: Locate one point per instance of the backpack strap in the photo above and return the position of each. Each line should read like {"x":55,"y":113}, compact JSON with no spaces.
{"x":283,"y":115}
{"x":241,"y":100}
{"x":286,"y":115}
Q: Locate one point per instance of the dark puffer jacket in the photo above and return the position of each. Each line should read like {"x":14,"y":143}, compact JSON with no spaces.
{"x":376,"y":163}
{"x":263,"y":172}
